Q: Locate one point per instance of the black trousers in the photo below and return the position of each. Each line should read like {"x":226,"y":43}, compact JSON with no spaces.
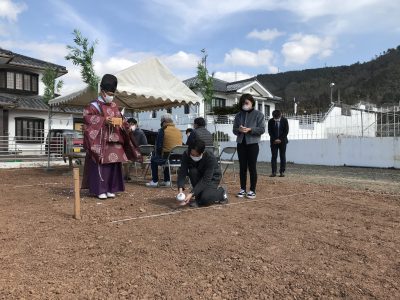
{"x":274,"y":156}
{"x":211,"y":194}
{"x":248,"y":155}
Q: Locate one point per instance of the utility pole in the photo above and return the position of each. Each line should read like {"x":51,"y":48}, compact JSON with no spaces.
{"x":331,"y":86}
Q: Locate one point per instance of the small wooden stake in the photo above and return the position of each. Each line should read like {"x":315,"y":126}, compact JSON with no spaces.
{"x":77,"y":203}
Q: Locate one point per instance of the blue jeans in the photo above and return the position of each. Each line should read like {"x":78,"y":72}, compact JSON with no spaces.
{"x":154,"y":163}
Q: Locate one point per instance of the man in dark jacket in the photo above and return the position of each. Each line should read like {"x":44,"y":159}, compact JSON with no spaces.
{"x":138,"y":134}
{"x":140,"y":139}
{"x":200,"y":132}
{"x":205,"y":175}
{"x":278,"y":129}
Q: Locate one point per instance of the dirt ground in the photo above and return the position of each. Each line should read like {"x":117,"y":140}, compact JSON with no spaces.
{"x":317,"y":233}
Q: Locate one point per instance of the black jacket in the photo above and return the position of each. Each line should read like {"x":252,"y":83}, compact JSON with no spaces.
{"x":283,"y":130}
{"x":208,"y":167}
{"x":200,"y":133}
{"x":139,"y":136}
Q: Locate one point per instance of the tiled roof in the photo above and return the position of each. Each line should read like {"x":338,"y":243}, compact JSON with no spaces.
{"x":219,"y":85}
{"x":5,"y":100}
{"x":26,"y":61}
{"x":228,"y":87}
{"x":33,"y":103}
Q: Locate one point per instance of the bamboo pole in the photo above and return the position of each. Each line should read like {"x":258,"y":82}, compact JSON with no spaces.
{"x":77,"y":202}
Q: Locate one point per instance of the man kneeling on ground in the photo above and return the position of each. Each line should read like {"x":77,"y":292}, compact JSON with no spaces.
{"x":204,"y":174}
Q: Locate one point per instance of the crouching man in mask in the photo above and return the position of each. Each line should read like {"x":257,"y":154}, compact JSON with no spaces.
{"x":205,"y":175}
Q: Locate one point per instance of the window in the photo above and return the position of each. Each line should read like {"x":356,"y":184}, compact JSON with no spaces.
{"x":29,"y":130}
{"x":2,"y":80}
{"x":260,"y":107}
{"x":154,"y":114}
{"x":169,"y":110}
{"x":34,"y":84}
{"x":186,"y":109}
{"x":218,"y":102}
{"x":10,"y":80}
{"x":18,"y":81}
{"x":267,"y":111}
{"x":27,"y":82}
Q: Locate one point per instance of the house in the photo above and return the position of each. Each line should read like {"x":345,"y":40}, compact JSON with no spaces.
{"x":24,"y":114}
{"x":226,"y":94}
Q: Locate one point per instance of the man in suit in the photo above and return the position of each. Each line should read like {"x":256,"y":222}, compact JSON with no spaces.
{"x":278,"y":129}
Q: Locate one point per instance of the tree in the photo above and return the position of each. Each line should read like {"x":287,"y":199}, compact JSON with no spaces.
{"x":51,"y":86}
{"x":82,"y":55}
{"x":205,"y":81}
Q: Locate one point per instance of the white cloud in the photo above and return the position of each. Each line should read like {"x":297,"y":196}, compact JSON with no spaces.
{"x":179,"y":63}
{"x":232,"y":76}
{"x":265,"y":35}
{"x":112,"y":65}
{"x":10,"y":10}
{"x":300,"y":48}
{"x":181,"y":60}
{"x":261,"y":58}
{"x":186,"y":19}
{"x":51,"y":52}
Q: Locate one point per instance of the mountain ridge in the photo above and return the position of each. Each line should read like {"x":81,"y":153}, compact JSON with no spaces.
{"x":376,"y":81}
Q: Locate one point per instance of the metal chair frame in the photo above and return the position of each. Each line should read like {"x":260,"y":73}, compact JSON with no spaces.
{"x":228,"y":162}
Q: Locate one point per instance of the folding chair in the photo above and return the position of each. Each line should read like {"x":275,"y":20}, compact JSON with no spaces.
{"x":174,"y":159}
{"x":226,"y":158}
{"x":146,"y":151}
{"x":213,"y":150}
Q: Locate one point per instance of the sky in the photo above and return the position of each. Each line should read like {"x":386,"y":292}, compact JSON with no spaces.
{"x":242,"y":38}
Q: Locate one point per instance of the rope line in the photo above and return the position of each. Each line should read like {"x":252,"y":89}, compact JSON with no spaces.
{"x":209,"y":207}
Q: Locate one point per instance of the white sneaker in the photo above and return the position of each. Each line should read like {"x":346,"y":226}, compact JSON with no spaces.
{"x":165,"y":183}
{"x":251,"y":195}
{"x":110,"y":195}
{"x":152,"y":184}
{"x":102,"y":196}
{"x":241,"y":194}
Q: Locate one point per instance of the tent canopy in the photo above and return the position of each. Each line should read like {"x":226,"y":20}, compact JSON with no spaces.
{"x":147,"y":85}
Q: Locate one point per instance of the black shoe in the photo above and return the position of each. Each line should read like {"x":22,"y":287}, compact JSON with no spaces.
{"x":282,"y":175}
{"x":272,"y":175}
{"x":193,"y":204}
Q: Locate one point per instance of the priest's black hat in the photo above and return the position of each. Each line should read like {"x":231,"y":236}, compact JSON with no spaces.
{"x":109,"y":83}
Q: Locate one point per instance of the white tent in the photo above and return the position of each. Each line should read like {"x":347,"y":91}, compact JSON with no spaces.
{"x":147,"y":85}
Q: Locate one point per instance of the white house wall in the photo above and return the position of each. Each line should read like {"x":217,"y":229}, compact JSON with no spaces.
{"x":181,"y":119}
{"x":59,"y":121}
{"x":338,"y":151}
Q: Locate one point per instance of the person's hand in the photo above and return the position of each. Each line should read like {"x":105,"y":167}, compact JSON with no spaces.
{"x":188,"y":197}
{"x":277,"y":141}
{"x":241,"y":128}
{"x":109,"y":120}
{"x":246,"y":129}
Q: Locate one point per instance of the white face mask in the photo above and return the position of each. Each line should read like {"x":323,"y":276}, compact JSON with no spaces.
{"x":196,"y":158}
{"x":108,"y":98}
{"x":133,"y":127}
{"x":246,"y":107}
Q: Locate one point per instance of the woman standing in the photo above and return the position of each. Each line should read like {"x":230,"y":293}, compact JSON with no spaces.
{"x":248,"y":126}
